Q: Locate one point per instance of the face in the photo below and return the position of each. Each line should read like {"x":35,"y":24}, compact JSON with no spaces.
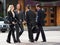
{"x":18,"y":6}
{"x":26,"y":8}
{"x":12,"y":7}
{"x":37,"y":8}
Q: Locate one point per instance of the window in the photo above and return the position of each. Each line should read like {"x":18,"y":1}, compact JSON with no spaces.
{"x":52,"y":16}
{"x":52,"y":21}
{"x":1,"y":19}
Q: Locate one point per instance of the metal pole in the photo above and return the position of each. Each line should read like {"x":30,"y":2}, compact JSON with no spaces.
{"x":4,"y":7}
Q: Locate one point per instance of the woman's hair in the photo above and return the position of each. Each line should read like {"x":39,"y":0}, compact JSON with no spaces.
{"x":9,"y":8}
{"x":20,"y":6}
{"x":28,"y":6}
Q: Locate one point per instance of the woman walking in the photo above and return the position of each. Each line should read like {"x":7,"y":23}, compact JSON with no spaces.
{"x":12,"y":22}
{"x":20,"y":17}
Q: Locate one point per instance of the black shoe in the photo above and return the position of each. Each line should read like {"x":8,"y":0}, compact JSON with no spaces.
{"x":43,"y":41}
{"x":8,"y":41}
{"x":31,"y":40}
{"x":35,"y":40}
{"x":15,"y":41}
{"x":19,"y":41}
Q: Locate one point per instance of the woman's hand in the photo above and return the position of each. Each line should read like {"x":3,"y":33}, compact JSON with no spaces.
{"x":13,"y":23}
{"x":24,"y":22}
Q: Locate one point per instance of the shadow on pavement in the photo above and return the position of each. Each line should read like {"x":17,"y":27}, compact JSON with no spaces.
{"x":39,"y":43}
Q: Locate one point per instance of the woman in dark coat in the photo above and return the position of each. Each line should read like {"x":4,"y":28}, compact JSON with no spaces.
{"x":12,"y":22}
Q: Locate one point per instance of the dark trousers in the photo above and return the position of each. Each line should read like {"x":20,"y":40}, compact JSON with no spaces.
{"x":17,"y":32}
{"x":30,"y":33}
{"x":42,"y":33}
{"x":11,"y":32}
{"x":22,"y":29}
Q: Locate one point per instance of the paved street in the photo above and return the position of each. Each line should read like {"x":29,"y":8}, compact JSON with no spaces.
{"x":53,"y":38}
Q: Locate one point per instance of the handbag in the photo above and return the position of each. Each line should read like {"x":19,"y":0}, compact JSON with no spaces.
{"x":35,"y":29}
{"x":6,"y":21}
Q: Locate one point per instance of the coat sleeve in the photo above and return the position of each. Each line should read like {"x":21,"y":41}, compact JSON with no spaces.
{"x":9,"y":17}
{"x":17,"y":18}
{"x":23,"y":14}
{"x":27,"y":17}
{"x":39,"y":15}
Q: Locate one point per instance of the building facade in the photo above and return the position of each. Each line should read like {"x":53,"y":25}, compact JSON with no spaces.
{"x":52,"y":9}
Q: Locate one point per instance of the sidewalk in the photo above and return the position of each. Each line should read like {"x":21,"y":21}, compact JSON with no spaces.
{"x":51,"y":28}
{"x":48,"y":28}
{"x":53,"y":38}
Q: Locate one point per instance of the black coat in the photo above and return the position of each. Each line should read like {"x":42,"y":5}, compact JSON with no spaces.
{"x":11,"y":18}
{"x":30,"y":17}
{"x":41,"y":17}
{"x":20,"y":16}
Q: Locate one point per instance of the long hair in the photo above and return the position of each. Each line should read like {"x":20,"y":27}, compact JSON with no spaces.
{"x":9,"y":8}
{"x":20,"y":6}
